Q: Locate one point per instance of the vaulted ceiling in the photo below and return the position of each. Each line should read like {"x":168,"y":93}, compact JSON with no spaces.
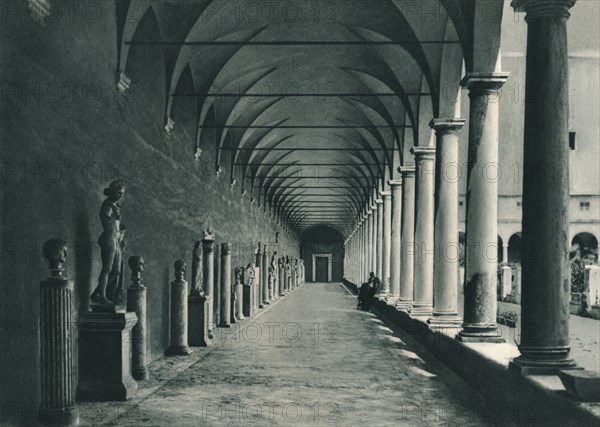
{"x":312,"y":106}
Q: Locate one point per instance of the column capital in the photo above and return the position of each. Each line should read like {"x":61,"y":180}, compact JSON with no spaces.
{"x":444,"y":126}
{"x":407,"y":171}
{"x":385,"y":194}
{"x":423,"y":152}
{"x":395,"y":182}
{"x":484,"y":83}
{"x":369,"y":211}
{"x":379,"y":201}
{"x":537,"y":9}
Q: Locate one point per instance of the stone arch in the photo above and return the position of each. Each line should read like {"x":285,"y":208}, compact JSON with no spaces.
{"x":585,"y":243}
{"x":514,"y":248}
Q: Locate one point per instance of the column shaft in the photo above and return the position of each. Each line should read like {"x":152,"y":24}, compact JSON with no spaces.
{"x":545,"y":287}
{"x":395,"y":240}
{"x":481,"y":250}
{"x":407,"y":252}
{"x":208,"y":277}
{"x":445,"y":282}
{"x":424,"y":250}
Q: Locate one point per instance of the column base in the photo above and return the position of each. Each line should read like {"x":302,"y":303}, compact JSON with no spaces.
{"x":404,"y":305}
{"x":447,"y":324}
{"x":542,"y":361}
{"x":382,"y":296}
{"x":480,"y":332}
{"x":140,"y":374}
{"x":225,"y":325}
{"x":390,"y":300}
{"x":421,"y":310}
{"x":266,"y":302}
{"x":67,"y":416}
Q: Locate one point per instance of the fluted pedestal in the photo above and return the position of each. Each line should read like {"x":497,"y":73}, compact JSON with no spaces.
{"x":424,"y":249}
{"x":104,"y":357}
{"x":57,"y":353}
{"x":544,"y":344}
{"x":482,"y":209}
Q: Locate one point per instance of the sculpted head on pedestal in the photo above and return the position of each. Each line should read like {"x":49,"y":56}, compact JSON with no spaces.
{"x":136,"y":264}
{"x":55,"y":252}
{"x":238,"y":274}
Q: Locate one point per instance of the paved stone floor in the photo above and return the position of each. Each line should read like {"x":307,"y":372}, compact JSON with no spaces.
{"x":310,"y":359}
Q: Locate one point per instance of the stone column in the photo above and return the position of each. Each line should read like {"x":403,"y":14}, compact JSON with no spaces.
{"x":395,"y":240}
{"x":386,"y":241}
{"x":407,"y":252}
{"x":545,"y":291}
{"x":424,"y":217}
{"x":136,"y":302}
{"x":208,"y":276}
{"x":370,"y":240}
{"x":482,"y":209}
{"x":376,"y":256}
{"x":445,"y":280}
{"x":259,"y":279}
{"x":57,"y":341}
{"x":379,"y":237}
{"x":505,"y":252}
{"x":179,"y":312}
{"x":265,"y":277}
{"x":225,"y":320}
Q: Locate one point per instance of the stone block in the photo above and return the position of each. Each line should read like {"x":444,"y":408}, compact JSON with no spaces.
{"x":584,"y":385}
{"x":198,"y":321}
{"x":105,"y":357}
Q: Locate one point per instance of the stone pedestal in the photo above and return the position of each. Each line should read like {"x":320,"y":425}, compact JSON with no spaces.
{"x":482,"y":209}
{"x":179,"y":313}
{"x":407,"y":250}
{"x":198,"y":321}
{"x":239,"y":301}
{"x":248,"y":307}
{"x":424,"y":218}
{"x":281,"y":280}
{"x":104,"y":357}
{"x":208,"y":277}
{"x":225,"y":318}
{"x":57,"y":342}
{"x":592,"y":286}
{"x":256,"y":289}
{"x":505,"y":281}
{"x":517,"y":285}
{"x":136,"y":303}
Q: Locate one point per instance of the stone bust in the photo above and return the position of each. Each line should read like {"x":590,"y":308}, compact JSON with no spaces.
{"x":55,"y":252}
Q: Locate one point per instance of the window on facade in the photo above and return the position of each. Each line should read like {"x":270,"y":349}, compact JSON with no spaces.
{"x":584,"y":206}
{"x":519,"y":203}
{"x":461,"y":203}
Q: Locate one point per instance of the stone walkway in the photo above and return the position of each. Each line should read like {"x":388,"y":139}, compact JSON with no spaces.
{"x":311,"y":359}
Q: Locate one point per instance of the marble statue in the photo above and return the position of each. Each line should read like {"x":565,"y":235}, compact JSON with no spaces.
{"x":111,"y":242}
{"x":196,"y":284}
{"x":249,"y":274}
{"x":180,"y":266}
{"x":136,"y":264}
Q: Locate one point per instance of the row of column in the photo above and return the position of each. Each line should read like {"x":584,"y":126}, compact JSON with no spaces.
{"x":408,"y":237}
